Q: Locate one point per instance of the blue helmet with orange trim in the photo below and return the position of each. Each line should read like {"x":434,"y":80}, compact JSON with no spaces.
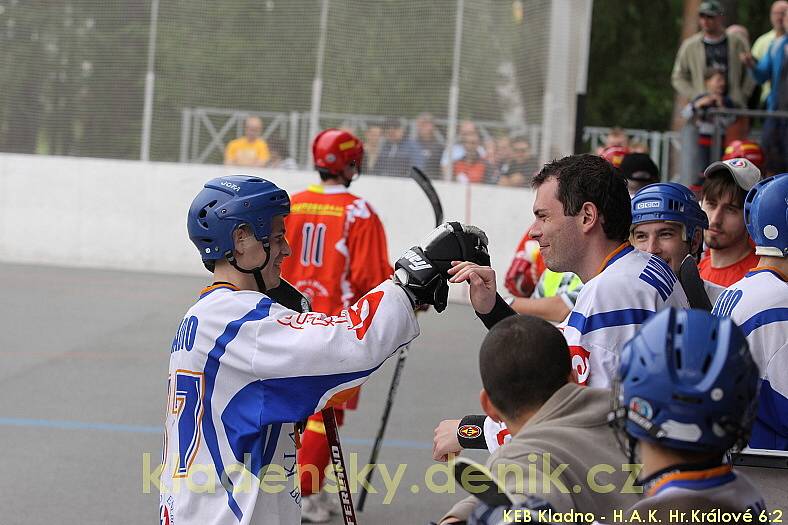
{"x":766,"y":215}
{"x":226,"y":203}
{"x":687,"y":381}
{"x":669,"y":201}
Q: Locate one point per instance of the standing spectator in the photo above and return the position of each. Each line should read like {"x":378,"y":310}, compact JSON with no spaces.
{"x":772,"y":66}
{"x":696,"y":114}
{"x":427,"y":142}
{"x":730,"y":253}
{"x":397,"y":154}
{"x":472,"y":167}
{"x":373,"y":140}
{"x":711,"y":48}
{"x":639,"y":171}
{"x":503,"y":154}
{"x":762,"y":43}
{"x":520,"y":170}
{"x":249,"y":150}
{"x":615,"y":138}
{"x":279,"y":156}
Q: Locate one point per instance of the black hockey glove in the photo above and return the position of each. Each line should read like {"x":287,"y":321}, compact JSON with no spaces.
{"x":422,"y":272}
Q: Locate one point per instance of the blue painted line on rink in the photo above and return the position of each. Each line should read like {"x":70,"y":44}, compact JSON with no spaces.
{"x":144,"y":429}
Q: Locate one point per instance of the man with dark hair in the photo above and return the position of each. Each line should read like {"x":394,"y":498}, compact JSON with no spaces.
{"x":397,"y":153}
{"x":583,"y":217}
{"x":731,"y":253}
{"x":525,"y":369}
{"x":639,"y":171}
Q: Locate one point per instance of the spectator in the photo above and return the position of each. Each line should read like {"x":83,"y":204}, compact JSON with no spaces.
{"x":615,"y":138}
{"x":525,"y":369}
{"x":279,"y":156}
{"x":249,"y":150}
{"x":639,"y":171}
{"x":373,"y":139}
{"x":775,"y":130}
{"x":466,"y":128}
{"x":637,"y":146}
{"x":731,"y":253}
{"x":503,"y":154}
{"x":696,"y":114}
{"x":762,"y":43}
{"x":711,"y":48}
{"x":427,"y":142}
{"x":397,"y":153}
{"x":472,"y":167}
{"x":520,"y":170}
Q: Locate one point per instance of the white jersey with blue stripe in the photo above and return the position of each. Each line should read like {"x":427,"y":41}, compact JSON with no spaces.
{"x":759,"y":305}
{"x":242,"y":370}
{"x":631,"y":287}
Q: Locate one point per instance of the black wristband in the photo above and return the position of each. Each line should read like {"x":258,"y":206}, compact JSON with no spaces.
{"x":470,"y":433}
{"x":500,"y":311}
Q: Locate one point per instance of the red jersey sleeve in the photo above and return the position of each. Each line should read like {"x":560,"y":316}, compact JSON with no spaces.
{"x":368,"y":249}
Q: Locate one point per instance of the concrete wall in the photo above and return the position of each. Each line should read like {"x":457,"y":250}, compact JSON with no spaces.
{"x":130,"y":215}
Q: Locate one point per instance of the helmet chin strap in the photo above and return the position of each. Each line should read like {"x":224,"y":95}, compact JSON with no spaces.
{"x":256,"y":272}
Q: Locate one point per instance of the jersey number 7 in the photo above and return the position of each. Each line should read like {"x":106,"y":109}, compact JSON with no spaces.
{"x":186,"y":406}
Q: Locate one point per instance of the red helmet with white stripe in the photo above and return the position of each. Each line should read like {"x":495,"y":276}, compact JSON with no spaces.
{"x":334,"y":150}
{"x":744,"y":149}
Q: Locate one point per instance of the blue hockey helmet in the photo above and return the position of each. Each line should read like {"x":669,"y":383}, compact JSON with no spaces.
{"x":224,"y":204}
{"x":687,"y":381}
{"x":766,"y":215}
{"x":669,"y":201}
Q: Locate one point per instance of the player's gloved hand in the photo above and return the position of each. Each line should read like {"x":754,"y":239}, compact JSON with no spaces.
{"x":422,"y":271}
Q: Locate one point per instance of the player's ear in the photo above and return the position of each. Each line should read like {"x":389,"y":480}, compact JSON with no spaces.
{"x":588,"y":216}
{"x":240,"y":238}
{"x":488,"y":407}
{"x":697,"y":238}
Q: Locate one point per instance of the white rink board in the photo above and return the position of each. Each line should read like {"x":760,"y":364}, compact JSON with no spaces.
{"x":129,"y":215}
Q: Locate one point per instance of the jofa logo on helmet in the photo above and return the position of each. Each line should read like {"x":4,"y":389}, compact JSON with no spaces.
{"x":647,"y":204}
{"x":469,"y":431}
{"x":232,"y":186}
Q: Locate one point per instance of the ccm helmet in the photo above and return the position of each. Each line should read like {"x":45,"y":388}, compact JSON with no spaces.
{"x":669,"y":201}
{"x":226,"y":203}
{"x":687,"y":381}
{"x":766,"y":216}
{"x":334,"y":150}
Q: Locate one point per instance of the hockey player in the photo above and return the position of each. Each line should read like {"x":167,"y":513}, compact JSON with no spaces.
{"x":341,"y":252}
{"x":583,"y":216}
{"x":243,"y":368}
{"x":730,"y":252}
{"x":686,"y":393}
{"x":667,"y":221}
{"x":759,"y":305}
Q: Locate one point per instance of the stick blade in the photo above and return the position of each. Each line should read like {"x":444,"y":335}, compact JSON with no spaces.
{"x":693,"y":284}
{"x":426,"y":185}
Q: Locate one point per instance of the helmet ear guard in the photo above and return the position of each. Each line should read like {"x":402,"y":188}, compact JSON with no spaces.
{"x":766,"y":216}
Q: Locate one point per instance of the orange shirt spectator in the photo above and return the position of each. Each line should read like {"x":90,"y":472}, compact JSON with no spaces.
{"x":249,"y":150}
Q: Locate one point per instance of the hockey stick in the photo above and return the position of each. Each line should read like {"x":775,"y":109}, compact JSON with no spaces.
{"x":426,"y":186}
{"x":288,"y":296}
{"x":693,"y":285}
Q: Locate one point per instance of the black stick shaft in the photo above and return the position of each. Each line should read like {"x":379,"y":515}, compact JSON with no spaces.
{"x":373,"y":458}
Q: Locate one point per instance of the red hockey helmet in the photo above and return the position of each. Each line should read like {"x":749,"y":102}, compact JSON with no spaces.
{"x":744,"y":149}
{"x":614,"y":154}
{"x":335,"y":149}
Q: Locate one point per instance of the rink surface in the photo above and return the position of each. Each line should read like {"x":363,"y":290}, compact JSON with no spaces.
{"x":83,"y":367}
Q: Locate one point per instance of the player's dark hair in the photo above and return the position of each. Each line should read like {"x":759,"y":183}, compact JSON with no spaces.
{"x":523,"y":361}
{"x":590,"y":178}
{"x":721,"y":185}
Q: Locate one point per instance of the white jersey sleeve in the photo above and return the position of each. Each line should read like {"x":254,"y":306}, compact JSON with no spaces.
{"x":243,"y":369}
{"x":759,"y":305}
{"x":611,"y":307}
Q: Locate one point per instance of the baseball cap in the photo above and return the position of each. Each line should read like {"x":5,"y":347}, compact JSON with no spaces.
{"x":639,"y":167}
{"x":745,"y":173}
{"x":710,"y":7}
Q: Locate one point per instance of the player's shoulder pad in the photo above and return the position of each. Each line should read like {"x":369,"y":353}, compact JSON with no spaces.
{"x":360,"y":209}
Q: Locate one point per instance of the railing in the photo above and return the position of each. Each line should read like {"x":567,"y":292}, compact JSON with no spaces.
{"x":202,"y":137}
